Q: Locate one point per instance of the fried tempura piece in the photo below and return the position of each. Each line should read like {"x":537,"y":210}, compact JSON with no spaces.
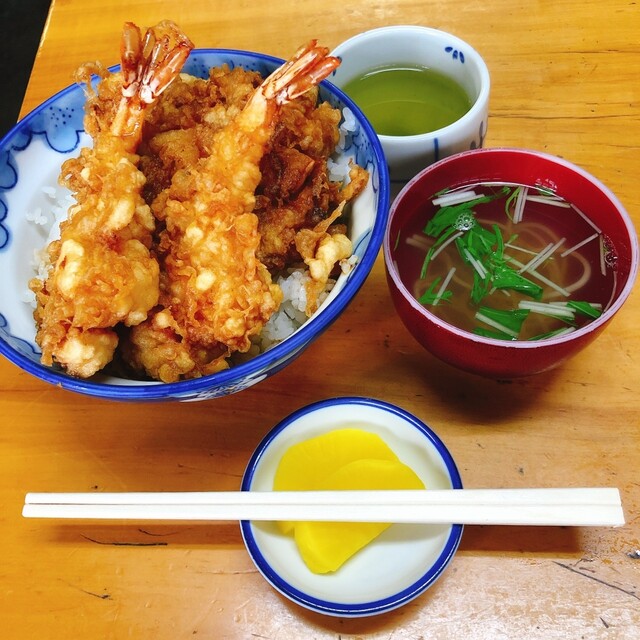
{"x":216,"y":293}
{"x":179,"y":129}
{"x":296,"y":192}
{"x":101,"y":271}
{"x":156,"y":348}
{"x":321,"y":251}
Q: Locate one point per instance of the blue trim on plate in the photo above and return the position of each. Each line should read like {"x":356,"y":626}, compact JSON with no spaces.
{"x":363,"y":608}
{"x":244,"y":375}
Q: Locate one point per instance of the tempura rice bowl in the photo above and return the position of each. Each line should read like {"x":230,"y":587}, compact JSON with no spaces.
{"x":30,"y":200}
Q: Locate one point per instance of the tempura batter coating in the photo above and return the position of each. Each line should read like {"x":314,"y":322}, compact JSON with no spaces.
{"x":101,"y":270}
{"x":216,"y":293}
{"x":187,"y":208}
{"x":295,"y":191}
{"x":179,"y":129}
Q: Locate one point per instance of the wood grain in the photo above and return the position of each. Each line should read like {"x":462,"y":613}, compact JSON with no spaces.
{"x":564,"y":80}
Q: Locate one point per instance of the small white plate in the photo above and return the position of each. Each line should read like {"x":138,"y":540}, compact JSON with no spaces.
{"x":402,"y":562}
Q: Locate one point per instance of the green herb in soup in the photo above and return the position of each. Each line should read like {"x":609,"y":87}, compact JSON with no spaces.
{"x":509,"y":262}
{"x":403,"y":100}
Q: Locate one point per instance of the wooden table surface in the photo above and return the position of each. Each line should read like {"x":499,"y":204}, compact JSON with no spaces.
{"x":565,"y":81}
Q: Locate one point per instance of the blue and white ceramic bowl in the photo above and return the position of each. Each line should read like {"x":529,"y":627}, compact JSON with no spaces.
{"x":403,"y":562}
{"x":30,"y":158}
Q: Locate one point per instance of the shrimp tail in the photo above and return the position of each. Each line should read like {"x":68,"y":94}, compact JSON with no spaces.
{"x":307,"y":68}
{"x":149,"y":65}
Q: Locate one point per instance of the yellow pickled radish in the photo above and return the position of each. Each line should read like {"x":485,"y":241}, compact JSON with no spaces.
{"x":305,"y":465}
{"x":326,"y":546}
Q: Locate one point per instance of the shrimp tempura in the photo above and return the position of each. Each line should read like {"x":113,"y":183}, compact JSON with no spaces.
{"x":215,"y":292}
{"x":101,"y":272}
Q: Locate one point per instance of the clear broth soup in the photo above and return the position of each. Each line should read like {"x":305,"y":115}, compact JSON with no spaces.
{"x":512,"y":262}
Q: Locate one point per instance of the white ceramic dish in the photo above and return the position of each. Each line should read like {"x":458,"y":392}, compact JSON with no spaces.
{"x":395,"y":568}
{"x":30,"y":158}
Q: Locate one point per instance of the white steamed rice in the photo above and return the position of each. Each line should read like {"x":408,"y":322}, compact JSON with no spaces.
{"x":291,"y":315}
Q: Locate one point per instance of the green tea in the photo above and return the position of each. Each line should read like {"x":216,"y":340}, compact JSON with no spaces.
{"x":406,"y":101}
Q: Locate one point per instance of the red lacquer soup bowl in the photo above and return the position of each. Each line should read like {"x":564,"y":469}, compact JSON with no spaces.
{"x":554,"y":178}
